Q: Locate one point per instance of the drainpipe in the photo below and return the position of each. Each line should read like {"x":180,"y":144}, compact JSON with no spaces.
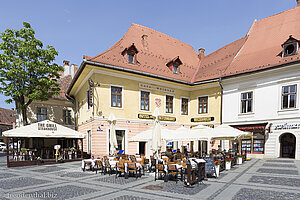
{"x":74,"y":107}
{"x":221,"y":119}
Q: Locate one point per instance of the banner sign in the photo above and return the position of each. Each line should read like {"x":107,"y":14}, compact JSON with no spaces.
{"x":160,"y":118}
{"x":47,"y":127}
{"x":286,"y":126}
{"x":203,"y":119}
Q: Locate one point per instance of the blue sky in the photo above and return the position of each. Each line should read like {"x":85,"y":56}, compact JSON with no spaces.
{"x":90,"y":27}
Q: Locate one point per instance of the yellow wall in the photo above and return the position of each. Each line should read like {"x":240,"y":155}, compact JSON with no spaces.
{"x":131,"y":96}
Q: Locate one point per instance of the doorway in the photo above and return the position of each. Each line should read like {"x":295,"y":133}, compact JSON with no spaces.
{"x":287,"y":145}
{"x":142,"y":147}
{"x":120,"y":139}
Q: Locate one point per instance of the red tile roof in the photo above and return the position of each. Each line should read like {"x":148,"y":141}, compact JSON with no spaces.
{"x":214,"y":64}
{"x":263,"y":46}
{"x":7,"y":117}
{"x":153,"y":53}
{"x":64,"y":83}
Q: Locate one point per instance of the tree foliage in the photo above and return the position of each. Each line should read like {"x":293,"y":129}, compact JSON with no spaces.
{"x":27,"y":70}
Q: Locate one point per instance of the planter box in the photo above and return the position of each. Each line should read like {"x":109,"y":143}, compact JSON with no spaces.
{"x":217,"y":167}
{"x":239,"y":161}
{"x":228,"y":165}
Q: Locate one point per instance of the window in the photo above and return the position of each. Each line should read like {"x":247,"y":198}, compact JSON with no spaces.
{"x":289,"y":96}
{"x":41,"y":114}
{"x":290,"y":47}
{"x":246,"y":102}
{"x":169,"y":104}
{"x":184,"y":106}
{"x":67,"y":117}
{"x":131,"y":58}
{"x":175,"y":69}
{"x":89,"y":142}
{"x":116,"y":97}
{"x":203,"y":105}
{"x":145,"y":100}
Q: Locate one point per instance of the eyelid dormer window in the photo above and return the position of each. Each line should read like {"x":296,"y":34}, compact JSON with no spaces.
{"x":130,"y":54}
{"x":290,"y":47}
{"x":174,"y":64}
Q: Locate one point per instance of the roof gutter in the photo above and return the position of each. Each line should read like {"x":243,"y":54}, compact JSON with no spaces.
{"x":131,"y":71}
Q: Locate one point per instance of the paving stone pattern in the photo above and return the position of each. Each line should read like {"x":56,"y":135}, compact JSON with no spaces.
{"x":129,"y":197}
{"x":280,"y":161}
{"x":255,"y":194}
{"x":74,"y":174}
{"x":65,"y":192}
{"x":120,"y":180}
{"x":279,"y":165}
{"x":179,"y":188}
{"x":6,"y":175}
{"x":277,"y":171}
{"x":295,"y":182}
{"x":48,"y":169}
{"x":21,"y":182}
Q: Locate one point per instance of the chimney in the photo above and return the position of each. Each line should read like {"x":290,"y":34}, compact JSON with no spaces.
{"x":74,"y":69}
{"x":298,"y":2}
{"x":66,"y":67}
{"x":201,"y":53}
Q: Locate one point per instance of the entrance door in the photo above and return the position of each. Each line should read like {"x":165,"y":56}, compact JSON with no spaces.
{"x":288,"y":145}
{"x":142,"y":148}
{"x":120,"y":139}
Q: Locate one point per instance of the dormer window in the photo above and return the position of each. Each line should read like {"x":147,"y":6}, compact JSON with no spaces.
{"x":174,"y":64}
{"x":290,"y":47}
{"x":130,"y":54}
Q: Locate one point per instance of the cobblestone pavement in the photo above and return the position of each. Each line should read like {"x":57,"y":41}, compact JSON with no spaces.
{"x":255,"y":179}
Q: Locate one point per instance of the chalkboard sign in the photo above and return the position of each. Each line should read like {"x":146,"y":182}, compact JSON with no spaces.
{"x":210,"y":166}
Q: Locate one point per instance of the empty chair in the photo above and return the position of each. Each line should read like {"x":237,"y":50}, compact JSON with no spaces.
{"x":99,"y":166}
{"x":87,"y":164}
{"x":159,"y":171}
{"x":108,"y":167}
{"x":172,"y":171}
{"x":132,"y":168}
{"x":120,"y":169}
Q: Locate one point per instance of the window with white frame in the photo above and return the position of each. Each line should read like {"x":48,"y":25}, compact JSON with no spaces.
{"x":116,"y":97}
{"x":246,"y":102}
{"x":169,"y":104}
{"x":203,"y":105}
{"x":41,"y":114}
{"x":145,"y":100}
{"x":184,"y":106}
{"x":288,"y":96}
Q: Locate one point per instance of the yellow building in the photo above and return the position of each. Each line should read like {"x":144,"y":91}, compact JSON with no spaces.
{"x":144,"y":70}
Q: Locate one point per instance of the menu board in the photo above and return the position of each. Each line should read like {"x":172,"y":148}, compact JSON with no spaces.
{"x":258,"y":146}
{"x":210,"y":166}
{"x":246,"y":146}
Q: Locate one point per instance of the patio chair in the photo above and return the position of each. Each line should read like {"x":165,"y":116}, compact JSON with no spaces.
{"x":108,"y":167}
{"x":99,"y":166}
{"x":132,"y":158}
{"x":142,"y":162}
{"x":132,"y":168}
{"x":159,"y":171}
{"x":172,"y":171}
{"x":87,"y":164}
{"x":120,"y":168}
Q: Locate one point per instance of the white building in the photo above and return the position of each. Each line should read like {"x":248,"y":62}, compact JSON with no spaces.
{"x":260,"y":87}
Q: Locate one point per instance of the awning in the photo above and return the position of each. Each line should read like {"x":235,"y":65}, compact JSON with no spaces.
{"x":226,"y":132}
{"x":43,"y":129}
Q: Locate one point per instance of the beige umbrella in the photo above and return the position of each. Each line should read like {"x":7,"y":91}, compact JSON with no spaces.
{"x":112,"y":135}
{"x":156,"y":136}
{"x":226,"y":132}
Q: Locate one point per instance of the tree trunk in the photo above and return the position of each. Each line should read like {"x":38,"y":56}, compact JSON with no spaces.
{"x":21,"y":111}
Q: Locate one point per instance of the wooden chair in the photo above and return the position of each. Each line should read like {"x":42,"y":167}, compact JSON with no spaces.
{"x":172,"y":171}
{"x":120,"y":168}
{"x":142,"y":162}
{"x":108,"y":167}
{"x":131,"y":168}
{"x":87,"y":164}
{"x":99,"y":166}
{"x":165,"y":159}
{"x":132,"y":158}
{"x":159,"y":171}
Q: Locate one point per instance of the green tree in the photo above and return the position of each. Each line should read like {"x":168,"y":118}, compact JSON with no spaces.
{"x":27,"y":70}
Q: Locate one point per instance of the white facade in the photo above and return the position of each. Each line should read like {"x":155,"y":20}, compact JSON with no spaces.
{"x":266,"y":87}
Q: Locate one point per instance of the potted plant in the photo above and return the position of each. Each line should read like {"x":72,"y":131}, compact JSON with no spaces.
{"x":39,"y":160}
{"x":217,"y":167}
{"x":73,"y":152}
{"x":228,"y":163}
{"x":239,"y":159}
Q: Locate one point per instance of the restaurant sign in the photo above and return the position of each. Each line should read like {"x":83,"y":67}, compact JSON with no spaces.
{"x":202,"y":119}
{"x":160,"y":118}
{"x":286,"y":126}
{"x":47,"y":127}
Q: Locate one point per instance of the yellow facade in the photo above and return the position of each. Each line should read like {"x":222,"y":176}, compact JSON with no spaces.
{"x":132,"y":85}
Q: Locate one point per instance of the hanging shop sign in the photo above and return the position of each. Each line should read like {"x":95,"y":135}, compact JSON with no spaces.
{"x":157,"y":88}
{"x":287,"y":126}
{"x":202,"y":119}
{"x":208,"y":125}
{"x":47,"y":127}
{"x":160,"y":118}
